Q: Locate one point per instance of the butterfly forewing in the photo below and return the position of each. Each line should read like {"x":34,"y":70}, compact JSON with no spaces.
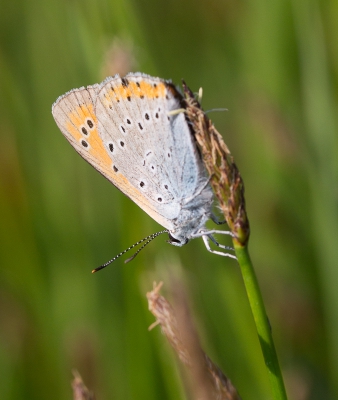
{"x":122,"y":127}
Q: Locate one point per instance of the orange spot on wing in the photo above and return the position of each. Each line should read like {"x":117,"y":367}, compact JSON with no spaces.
{"x":98,"y":155}
{"x":79,"y":115}
{"x":78,"y":118}
{"x":73,"y":130}
{"x":151,"y":91}
{"x":145,"y":89}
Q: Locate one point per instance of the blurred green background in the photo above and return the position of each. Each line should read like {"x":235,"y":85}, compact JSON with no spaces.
{"x":274,"y":65}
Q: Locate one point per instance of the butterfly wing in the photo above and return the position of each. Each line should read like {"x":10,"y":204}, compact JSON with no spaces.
{"x":122,"y":128}
{"x":75,"y":116}
{"x":155,"y":150}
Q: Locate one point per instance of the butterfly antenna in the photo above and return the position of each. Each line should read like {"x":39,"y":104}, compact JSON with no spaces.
{"x":147,"y":240}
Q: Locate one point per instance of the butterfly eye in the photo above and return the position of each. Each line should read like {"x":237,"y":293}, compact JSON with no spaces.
{"x":172,"y":239}
{"x":176,"y":242}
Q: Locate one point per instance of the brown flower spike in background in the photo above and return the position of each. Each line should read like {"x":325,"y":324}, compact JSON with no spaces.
{"x":205,"y":381}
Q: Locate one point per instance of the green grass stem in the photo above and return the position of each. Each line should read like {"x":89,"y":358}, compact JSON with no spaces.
{"x":262,"y":322}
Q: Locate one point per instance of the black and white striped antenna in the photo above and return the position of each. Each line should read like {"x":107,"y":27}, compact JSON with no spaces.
{"x":147,"y":240}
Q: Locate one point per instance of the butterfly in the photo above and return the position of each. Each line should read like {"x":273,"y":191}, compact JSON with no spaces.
{"x":129,"y":130}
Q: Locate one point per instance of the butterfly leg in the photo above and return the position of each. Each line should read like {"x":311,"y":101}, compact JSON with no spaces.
{"x":203,"y":232}
{"x":216,"y":220}
{"x":220,"y":253}
{"x":213,"y":231}
{"x":221,"y":246}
